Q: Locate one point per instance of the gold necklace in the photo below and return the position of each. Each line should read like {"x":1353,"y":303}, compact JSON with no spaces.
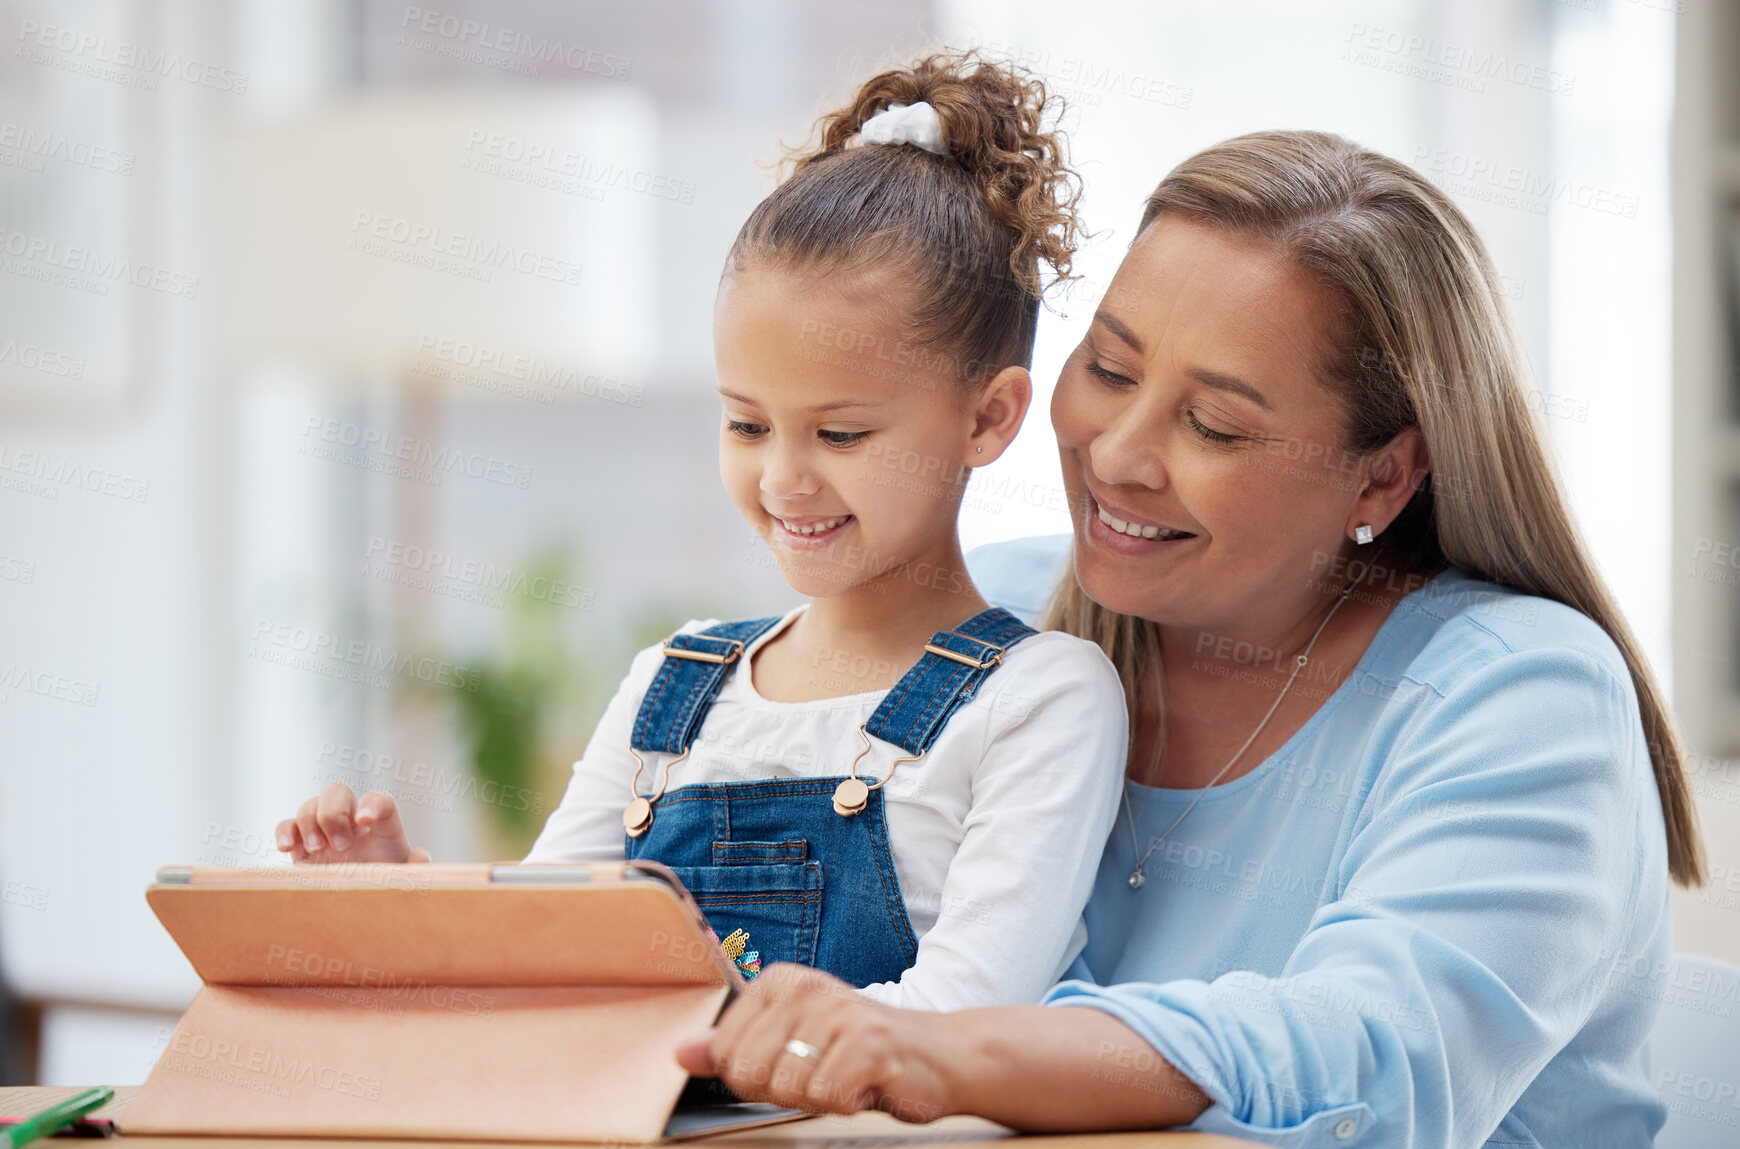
{"x":1139,"y":876}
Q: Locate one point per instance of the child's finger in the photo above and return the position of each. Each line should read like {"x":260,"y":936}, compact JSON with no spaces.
{"x":374,"y":808}
{"x":298,"y":850}
{"x":285,"y":835}
{"x":306,"y":827}
{"x":334,"y":813}
{"x":378,"y":815}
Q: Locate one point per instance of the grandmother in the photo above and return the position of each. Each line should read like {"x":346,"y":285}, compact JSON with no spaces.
{"x":1403,"y":797}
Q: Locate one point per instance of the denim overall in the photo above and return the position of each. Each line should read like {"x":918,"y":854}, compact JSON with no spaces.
{"x":775,"y":858}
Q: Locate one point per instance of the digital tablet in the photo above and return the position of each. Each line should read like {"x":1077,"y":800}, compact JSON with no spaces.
{"x":488,"y":1002}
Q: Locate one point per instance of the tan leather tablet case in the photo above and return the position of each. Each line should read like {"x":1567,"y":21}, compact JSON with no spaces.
{"x":431,"y":1002}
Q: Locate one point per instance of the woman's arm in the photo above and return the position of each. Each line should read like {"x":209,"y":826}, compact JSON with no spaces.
{"x":1027,"y":1067}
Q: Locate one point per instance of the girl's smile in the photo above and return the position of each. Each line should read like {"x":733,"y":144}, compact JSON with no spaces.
{"x":809,"y":532}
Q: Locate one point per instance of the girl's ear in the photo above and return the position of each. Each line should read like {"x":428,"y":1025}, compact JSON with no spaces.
{"x":997,"y":413}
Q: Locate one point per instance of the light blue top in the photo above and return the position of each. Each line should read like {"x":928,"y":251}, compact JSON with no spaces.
{"x":1435,"y":917}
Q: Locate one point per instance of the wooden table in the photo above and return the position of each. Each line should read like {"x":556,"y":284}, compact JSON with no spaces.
{"x":863,"y":1131}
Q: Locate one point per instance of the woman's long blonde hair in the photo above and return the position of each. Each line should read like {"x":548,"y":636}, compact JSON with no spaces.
{"x":1431,"y":344}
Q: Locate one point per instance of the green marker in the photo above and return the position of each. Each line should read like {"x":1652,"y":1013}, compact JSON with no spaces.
{"x":56,"y":1117}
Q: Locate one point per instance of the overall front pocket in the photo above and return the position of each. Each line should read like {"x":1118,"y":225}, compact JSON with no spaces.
{"x":779,"y":906}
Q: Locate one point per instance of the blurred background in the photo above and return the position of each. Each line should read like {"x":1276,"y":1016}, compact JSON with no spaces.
{"x":356,"y":408}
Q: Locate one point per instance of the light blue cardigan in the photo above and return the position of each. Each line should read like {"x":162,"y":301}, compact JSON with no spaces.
{"x":1437,"y":916}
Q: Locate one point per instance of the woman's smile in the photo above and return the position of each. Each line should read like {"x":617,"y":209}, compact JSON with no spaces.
{"x":1124,"y":533}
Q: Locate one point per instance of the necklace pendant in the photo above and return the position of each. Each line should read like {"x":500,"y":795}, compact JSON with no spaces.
{"x":1137,"y":878}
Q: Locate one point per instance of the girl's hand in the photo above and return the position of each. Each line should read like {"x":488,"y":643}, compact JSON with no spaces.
{"x":873,"y":1056}
{"x":339,"y":827}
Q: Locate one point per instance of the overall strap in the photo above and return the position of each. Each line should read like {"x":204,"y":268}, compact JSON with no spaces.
{"x":688,"y":681}
{"x":954,"y":664}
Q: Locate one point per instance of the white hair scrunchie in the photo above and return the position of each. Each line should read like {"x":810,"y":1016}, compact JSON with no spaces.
{"x":915,"y":124}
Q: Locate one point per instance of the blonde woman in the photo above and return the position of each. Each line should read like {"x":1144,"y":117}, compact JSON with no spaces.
{"x":1403,"y":798}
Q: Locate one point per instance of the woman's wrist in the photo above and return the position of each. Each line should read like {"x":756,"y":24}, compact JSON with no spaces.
{"x":960,"y":1051}
{"x":1043,"y":1069}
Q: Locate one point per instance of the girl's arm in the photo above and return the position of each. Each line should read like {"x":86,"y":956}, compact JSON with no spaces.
{"x":1044,"y":794}
{"x":1027,"y":1067}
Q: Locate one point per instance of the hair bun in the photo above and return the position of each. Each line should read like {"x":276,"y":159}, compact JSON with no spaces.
{"x":993,"y":119}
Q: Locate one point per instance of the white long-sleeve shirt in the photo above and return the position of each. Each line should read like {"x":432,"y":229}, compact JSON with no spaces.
{"x":995,"y":834}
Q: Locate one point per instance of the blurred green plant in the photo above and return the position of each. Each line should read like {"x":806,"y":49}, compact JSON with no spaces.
{"x":505,"y":705}
{"x":526,"y":711}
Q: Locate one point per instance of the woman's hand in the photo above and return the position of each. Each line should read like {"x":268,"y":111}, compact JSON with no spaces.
{"x":872,"y":1055}
{"x":340,"y":827}
{"x":1030,"y":1067}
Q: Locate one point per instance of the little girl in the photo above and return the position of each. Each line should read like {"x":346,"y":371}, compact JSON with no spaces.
{"x":893,"y":782}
